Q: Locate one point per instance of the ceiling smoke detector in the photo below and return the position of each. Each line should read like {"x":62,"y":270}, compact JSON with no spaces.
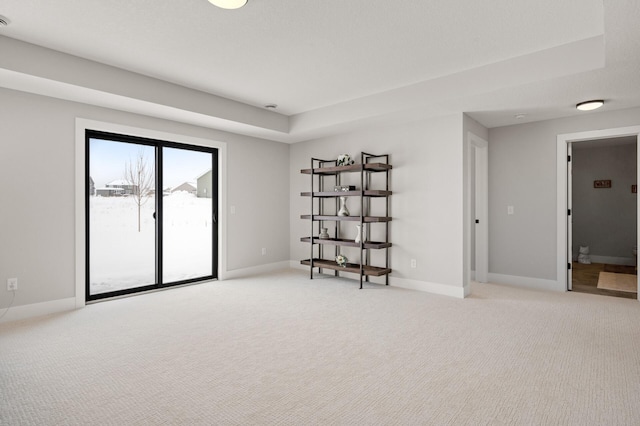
{"x":4,"y":22}
{"x":271,"y":106}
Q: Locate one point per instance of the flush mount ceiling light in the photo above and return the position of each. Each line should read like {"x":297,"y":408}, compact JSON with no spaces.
{"x":228,"y":4}
{"x":271,"y":106}
{"x":590,"y":105}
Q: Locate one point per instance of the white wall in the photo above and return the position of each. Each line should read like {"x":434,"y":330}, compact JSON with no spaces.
{"x":522,"y":173}
{"x":604,"y":219}
{"x":37,"y":209}
{"x":427,"y":202}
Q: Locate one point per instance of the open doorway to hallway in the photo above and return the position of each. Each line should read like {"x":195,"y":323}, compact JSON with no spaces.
{"x":603,"y":216}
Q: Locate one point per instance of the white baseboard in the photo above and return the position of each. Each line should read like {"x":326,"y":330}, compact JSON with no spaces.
{"x":528,"y":282}
{"x":256,"y":270}
{"x":429,"y":287}
{"x":295,"y":264}
{"x":613,"y":260}
{"x":17,"y":313}
{"x":33,"y":310}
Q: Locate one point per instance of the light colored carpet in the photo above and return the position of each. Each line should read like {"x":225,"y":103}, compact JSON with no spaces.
{"x":619,"y":282}
{"x":280,"y":349}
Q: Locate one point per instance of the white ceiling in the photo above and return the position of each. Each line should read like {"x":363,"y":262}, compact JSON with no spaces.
{"x":330,"y":63}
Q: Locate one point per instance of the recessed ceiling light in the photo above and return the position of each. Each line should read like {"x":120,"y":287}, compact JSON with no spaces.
{"x":520,"y":116}
{"x":4,"y":21}
{"x":271,"y":106}
{"x":590,"y":105}
{"x":228,"y":4}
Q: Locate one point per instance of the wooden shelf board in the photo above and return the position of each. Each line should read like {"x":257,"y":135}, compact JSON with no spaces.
{"x":350,"y":267}
{"x":366,"y":219}
{"x":367,"y":193}
{"x":346,"y":243}
{"x":369,"y":167}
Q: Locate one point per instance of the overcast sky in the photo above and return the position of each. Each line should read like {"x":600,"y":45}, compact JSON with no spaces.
{"x":107,"y":160}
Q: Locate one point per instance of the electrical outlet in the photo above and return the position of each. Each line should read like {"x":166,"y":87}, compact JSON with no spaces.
{"x":414,"y":263}
{"x":12,"y":284}
{"x":264,"y":251}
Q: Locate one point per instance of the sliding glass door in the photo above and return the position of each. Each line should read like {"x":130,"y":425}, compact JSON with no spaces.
{"x":121,"y":225}
{"x":188,"y":215}
{"x":151,"y":214}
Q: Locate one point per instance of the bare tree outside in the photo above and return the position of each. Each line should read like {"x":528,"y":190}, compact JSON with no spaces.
{"x":139,"y":173}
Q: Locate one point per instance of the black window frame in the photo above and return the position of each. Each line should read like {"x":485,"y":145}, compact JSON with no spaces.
{"x":158,"y":144}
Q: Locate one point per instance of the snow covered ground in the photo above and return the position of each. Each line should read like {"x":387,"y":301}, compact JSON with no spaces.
{"x":123,"y":258}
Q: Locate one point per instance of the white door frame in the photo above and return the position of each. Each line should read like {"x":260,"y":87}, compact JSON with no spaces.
{"x":481,"y":219}
{"x":570,"y":216}
{"x":562,"y":191}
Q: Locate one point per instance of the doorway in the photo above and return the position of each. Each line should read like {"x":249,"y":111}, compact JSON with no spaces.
{"x":564,"y":145}
{"x":478,"y":190}
{"x":151,"y":214}
{"x":603,"y":216}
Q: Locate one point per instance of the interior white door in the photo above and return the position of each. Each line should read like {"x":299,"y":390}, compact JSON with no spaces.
{"x":569,"y":220}
{"x":482,"y":211}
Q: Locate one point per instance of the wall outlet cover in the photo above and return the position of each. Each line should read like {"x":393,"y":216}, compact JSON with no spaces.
{"x":12,"y":284}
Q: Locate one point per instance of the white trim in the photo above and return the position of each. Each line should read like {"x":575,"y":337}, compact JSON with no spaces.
{"x":562,"y":181}
{"x":429,"y":287}
{"x":32,"y":310}
{"x":477,"y":141}
{"x":295,"y":264}
{"x":80,"y":219}
{"x":569,"y":218}
{"x":527,"y":282}
{"x":257,"y":270}
{"x":82,"y":125}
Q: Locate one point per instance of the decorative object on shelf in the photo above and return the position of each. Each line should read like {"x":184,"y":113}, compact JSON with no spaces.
{"x":361,"y":235}
{"x":343,"y":207}
{"x":324,"y":235}
{"x":344,"y":160}
{"x":602,"y":184}
{"x":341,"y":260}
{"x":345,"y":188}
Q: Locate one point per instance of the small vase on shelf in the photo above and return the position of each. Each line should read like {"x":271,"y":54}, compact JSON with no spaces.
{"x":324,"y":235}
{"x":361,"y":235}
{"x":343,"y":207}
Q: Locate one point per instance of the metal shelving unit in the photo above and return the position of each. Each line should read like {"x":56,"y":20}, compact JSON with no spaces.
{"x":322,"y":210}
